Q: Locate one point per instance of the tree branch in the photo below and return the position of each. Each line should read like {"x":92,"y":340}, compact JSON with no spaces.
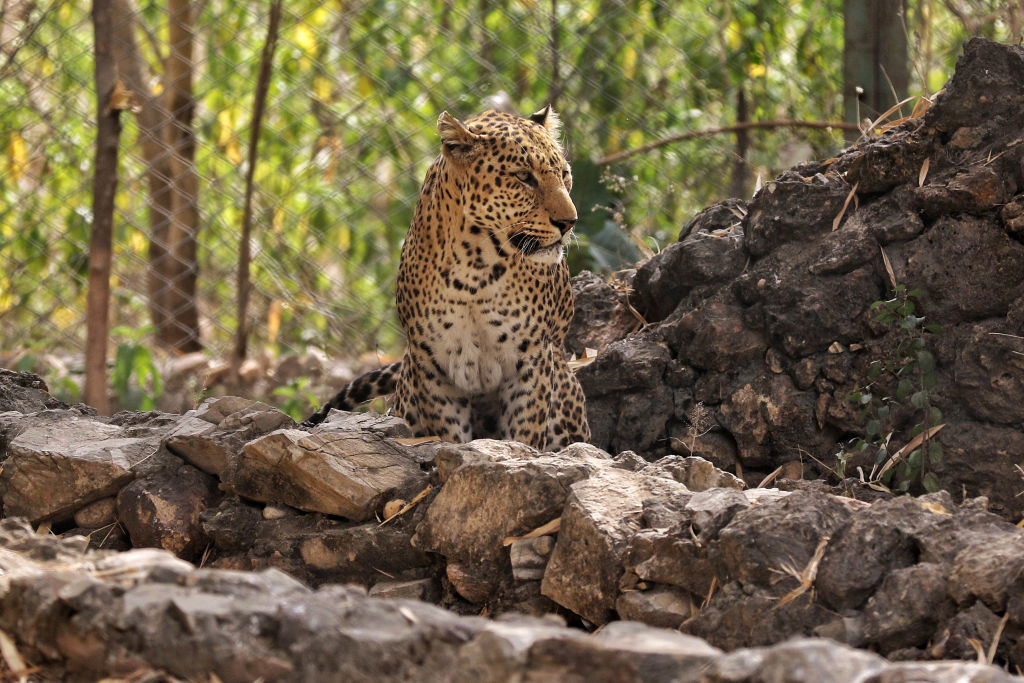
{"x":244,"y":251}
{"x":708,"y":132}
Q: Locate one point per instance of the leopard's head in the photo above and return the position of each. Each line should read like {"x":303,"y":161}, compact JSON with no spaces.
{"x":514,"y":178}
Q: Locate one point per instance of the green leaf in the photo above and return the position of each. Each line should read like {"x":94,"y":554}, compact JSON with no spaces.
{"x":914,"y":459}
{"x":925,"y":361}
{"x":872,"y":428}
{"x":934,"y":329}
{"x":935,"y":453}
{"x":919,"y":399}
{"x":930,"y":482}
{"x":883,"y":411}
{"x":936,"y":416}
{"x":124,"y":359}
{"x":928,"y":380}
{"x":903,"y":389}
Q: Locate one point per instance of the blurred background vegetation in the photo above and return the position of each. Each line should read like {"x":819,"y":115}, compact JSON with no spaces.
{"x":354,"y":94}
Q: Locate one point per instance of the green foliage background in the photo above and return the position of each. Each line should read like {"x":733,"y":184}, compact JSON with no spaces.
{"x":357,"y":87}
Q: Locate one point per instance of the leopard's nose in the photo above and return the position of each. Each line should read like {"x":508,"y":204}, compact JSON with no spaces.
{"x":564,"y":225}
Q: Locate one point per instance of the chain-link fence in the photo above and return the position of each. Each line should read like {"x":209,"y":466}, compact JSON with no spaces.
{"x":355,"y":90}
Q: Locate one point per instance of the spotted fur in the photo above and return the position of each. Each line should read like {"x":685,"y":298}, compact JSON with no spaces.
{"x":483,"y":290}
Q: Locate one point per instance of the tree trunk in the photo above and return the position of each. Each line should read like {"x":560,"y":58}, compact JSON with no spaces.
{"x":108,"y":132}
{"x":875,"y":67}
{"x":152,"y":119}
{"x":738,"y":183}
{"x":174,"y":260}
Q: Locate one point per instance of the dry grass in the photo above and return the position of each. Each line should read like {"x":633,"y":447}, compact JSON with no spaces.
{"x":805,"y":576}
{"x":408,"y":506}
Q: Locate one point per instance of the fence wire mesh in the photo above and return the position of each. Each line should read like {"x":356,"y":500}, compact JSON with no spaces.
{"x":355,"y":90}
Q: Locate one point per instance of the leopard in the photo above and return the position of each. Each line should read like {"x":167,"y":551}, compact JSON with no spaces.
{"x":483,"y":291}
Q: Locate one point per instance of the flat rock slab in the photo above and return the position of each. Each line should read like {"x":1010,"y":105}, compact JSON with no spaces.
{"x":210,"y":434}
{"x":350,"y":474}
{"x":58,"y":465}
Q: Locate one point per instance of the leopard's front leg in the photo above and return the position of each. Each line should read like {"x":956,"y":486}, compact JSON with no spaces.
{"x":526,"y":400}
{"x":431,"y":404}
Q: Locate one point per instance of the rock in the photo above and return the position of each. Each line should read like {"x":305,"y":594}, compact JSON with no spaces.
{"x":720,"y":340}
{"x":708,"y":253}
{"x":980,"y":459}
{"x":876,"y":542}
{"x":626,"y":365}
{"x":209,"y":435}
{"x":803,"y":660}
{"x":891,"y":162}
{"x":529,"y":557}
{"x":937,"y":258}
{"x":989,"y":371}
{"x":485,"y":501}
{"x":713,"y":508}
{"x":771,"y":414}
{"x":803,"y":316}
{"x":345,"y":421}
{"x":736,"y":616}
{"x":25,"y":392}
{"x":908,"y":606}
{"x":976,"y":624}
{"x":982,"y":91}
{"x":351,"y":474}
{"x":602,"y":313}
{"x":697,"y":474}
{"x":890,"y":218}
{"x":601,"y":514}
{"x":762,"y":539}
{"x":101,"y":513}
{"x":989,"y":570}
{"x":792,"y":207}
{"x":417,"y":589}
{"x":971,"y":190}
{"x":670,"y":556}
{"x":163,"y":511}
{"x":360,"y":554}
{"x":59,"y":465}
{"x":661,"y":606}
{"x":715,"y":447}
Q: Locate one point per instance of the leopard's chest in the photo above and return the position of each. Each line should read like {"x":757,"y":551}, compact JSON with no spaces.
{"x":483,"y":322}
{"x":479,"y":343}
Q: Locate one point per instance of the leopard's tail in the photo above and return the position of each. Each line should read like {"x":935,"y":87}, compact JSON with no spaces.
{"x":379,"y":382}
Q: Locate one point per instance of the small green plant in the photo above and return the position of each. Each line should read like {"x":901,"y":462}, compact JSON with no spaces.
{"x":135,"y":377}
{"x":912,"y":369}
{"x":296,"y":397}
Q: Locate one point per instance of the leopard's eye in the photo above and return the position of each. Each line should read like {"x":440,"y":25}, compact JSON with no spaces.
{"x":525,"y":177}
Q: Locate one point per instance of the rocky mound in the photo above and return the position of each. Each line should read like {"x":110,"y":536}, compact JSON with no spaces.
{"x":761,"y":327}
{"x":851,"y":305}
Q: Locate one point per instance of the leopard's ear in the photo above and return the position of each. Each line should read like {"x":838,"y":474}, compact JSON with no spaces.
{"x":549,"y":119}
{"x":457,"y":142}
